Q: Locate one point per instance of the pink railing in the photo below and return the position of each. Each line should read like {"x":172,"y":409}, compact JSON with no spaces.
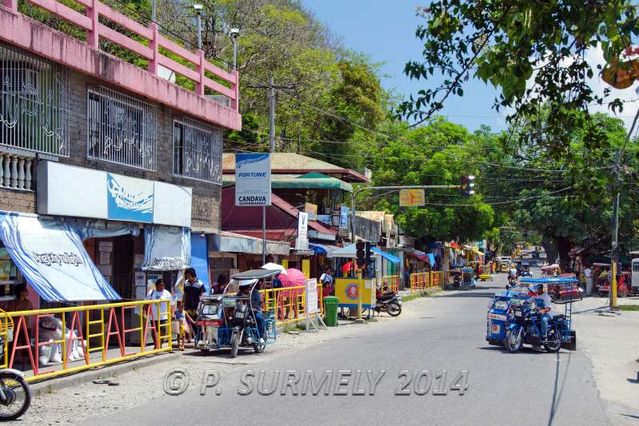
{"x":196,"y":65}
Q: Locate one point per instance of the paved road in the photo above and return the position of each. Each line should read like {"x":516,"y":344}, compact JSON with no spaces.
{"x":434,"y":334}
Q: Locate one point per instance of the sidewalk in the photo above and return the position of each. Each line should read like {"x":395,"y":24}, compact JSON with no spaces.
{"x":610,"y":341}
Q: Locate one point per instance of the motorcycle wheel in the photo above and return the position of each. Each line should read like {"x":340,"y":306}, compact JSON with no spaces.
{"x":394,"y":309}
{"x":514,"y":340}
{"x":259,"y":347}
{"x":17,"y":395}
{"x":554,"y":341}
{"x":235,"y":343}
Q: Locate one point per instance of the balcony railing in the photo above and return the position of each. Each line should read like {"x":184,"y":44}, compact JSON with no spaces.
{"x":208,"y":78}
{"x":17,"y":170}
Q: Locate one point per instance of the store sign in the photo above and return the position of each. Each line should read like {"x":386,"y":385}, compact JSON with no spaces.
{"x":311,"y":209}
{"x":302,"y":232}
{"x":65,"y":190}
{"x":312,"y":305}
{"x":412,"y":197}
{"x":252,"y":179}
{"x":129,"y":199}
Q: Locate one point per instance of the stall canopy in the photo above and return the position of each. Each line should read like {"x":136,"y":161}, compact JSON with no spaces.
{"x":51,"y":257}
{"x":322,"y":249}
{"x":350,"y":251}
{"x":391,"y":258}
{"x":229,"y":242}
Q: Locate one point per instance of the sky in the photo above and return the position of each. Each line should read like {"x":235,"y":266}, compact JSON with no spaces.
{"x":385,"y":31}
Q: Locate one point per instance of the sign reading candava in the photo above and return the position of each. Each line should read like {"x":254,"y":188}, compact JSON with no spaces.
{"x":252,"y":179}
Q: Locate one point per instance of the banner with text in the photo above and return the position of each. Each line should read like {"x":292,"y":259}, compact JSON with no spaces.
{"x":252,"y":179}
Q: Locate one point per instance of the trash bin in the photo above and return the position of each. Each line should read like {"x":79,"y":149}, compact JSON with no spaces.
{"x":330,"y":311}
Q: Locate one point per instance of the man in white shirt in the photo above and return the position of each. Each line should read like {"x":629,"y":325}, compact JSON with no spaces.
{"x":588,"y":277}
{"x":160,"y":310}
{"x":543,"y":303}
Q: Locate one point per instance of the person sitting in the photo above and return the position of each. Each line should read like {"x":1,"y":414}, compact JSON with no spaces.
{"x":255,"y":298}
{"x":543,"y":303}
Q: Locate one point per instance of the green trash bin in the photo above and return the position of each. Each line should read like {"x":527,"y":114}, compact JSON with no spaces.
{"x":330,"y":311}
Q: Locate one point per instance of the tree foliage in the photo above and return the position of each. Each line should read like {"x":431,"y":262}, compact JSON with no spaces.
{"x":534,"y":52}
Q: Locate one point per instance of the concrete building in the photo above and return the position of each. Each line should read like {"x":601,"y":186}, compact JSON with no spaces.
{"x":98,"y":149}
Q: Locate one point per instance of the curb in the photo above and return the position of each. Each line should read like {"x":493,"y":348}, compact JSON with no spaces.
{"x":74,"y":379}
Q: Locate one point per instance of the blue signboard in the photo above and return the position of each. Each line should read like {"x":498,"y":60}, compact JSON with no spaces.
{"x":252,"y":179}
{"x":344,"y":213}
{"x":129,"y":199}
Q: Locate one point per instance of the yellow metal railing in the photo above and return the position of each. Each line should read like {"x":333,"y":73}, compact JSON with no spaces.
{"x":392,"y":281}
{"x":289,"y":303}
{"x":422,"y":280}
{"x":96,"y":335}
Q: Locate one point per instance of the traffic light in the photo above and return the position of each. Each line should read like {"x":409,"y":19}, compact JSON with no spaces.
{"x":467,"y":186}
{"x":360,"y":254}
{"x":367,"y":251}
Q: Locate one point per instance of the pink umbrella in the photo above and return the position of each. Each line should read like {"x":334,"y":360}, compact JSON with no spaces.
{"x":293,"y":278}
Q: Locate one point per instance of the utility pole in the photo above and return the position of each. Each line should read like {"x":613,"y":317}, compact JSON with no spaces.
{"x":615,"y":217}
{"x":271,"y":87}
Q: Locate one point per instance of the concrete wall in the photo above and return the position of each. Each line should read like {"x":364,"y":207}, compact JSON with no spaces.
{"x":206,"y":196}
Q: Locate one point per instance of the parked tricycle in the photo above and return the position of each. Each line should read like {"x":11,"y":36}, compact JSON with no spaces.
{"x":468,"y":279}
{"x":235,"y":319}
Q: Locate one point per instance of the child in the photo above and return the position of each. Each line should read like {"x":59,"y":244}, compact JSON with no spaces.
{"x":184,"y":320}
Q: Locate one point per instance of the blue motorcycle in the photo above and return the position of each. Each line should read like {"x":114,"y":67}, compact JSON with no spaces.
{"x":526,"y":329}
{"x":500,"y":313}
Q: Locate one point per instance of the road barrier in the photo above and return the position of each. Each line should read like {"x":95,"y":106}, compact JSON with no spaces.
{"x":392,"y":281}
{"x":422,"y":280}
{"x":289,"y":303}
{"x":51,"y":342}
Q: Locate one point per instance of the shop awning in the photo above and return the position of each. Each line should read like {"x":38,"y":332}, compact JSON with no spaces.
{"x":229,"y":242}
{"x":322,"y":249}
{"x":53,"y":260}
{"x":311,"y":180}
{"x":166,"y":248}
{"x":419,"y":255}
{"x":391,"y":258}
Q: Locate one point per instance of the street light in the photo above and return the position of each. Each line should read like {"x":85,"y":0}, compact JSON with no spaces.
{"x":235,"y":34}
{"x":198,"y":10}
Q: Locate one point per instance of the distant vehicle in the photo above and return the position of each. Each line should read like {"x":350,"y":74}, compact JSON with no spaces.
{"x":635,"y":276}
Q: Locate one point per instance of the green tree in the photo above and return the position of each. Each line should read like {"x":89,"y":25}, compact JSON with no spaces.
{"x":534,"y":53}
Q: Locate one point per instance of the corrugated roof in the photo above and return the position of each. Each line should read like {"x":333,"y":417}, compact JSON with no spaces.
{"x":291,"y":163}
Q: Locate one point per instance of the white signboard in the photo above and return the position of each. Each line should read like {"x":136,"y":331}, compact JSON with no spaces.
{"x":166,"y":248}
{"x":65,"y":190}
{"x":252,"y":179}
{"x":312,"y":301}
{"x":302,"y":232}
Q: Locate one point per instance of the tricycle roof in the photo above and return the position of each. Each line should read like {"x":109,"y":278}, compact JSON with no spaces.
{"x":549,"y":280}
{"x":255,"y":274}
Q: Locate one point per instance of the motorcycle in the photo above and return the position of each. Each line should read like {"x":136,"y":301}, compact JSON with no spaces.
{"x":390,"y":302}
{"x":525,"y":325}
{"x":244,"y":329}
{"x":15,"y":394}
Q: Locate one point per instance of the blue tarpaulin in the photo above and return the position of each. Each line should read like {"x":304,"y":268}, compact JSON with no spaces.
{"x":431,"y":259}
{"x":199,"y":258}
{"x":391,"y":258}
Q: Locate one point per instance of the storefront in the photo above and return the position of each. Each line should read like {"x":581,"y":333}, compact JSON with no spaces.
{"x":230,"y":253}
{"x":133,"y":230}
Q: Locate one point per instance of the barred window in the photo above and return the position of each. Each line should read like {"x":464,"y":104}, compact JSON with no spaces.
{"x":121,"y":129}
{"x":34,"y":103}
{"x":197,"y":151}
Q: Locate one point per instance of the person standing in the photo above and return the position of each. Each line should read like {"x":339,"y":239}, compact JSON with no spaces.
{"x":160,"y":311}
{"x":326,"y":279}
{"x":193,"y":291}
{"x":588,"y":278}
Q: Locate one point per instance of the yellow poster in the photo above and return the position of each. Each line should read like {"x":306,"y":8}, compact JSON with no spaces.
{"x":412,"y":198}
{"x":348,"y":290}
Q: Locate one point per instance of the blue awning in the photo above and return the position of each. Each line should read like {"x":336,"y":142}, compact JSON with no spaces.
{"x":391,"y":258}
{"x":52,"y":258}
{"x":322,"y":249}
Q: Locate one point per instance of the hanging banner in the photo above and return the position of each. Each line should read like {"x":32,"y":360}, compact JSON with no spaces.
{"x":200,"y":258}
{"x":166,"y":248}
{"x":252,"y":179}
{"x":301,"y":243}
{"x":53,"y":260}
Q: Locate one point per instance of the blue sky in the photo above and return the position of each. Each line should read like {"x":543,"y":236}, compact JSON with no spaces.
{"x":385,"y":31}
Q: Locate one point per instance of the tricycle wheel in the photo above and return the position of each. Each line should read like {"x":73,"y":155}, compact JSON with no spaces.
{"x":260,"y":346}
{"x":394,"y":309}
{"x":204,"y":351}
{"x":572,"y":346}
{"x":553,"y":341}
{"x":235,"y":343}
{"x":514,"y":339}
